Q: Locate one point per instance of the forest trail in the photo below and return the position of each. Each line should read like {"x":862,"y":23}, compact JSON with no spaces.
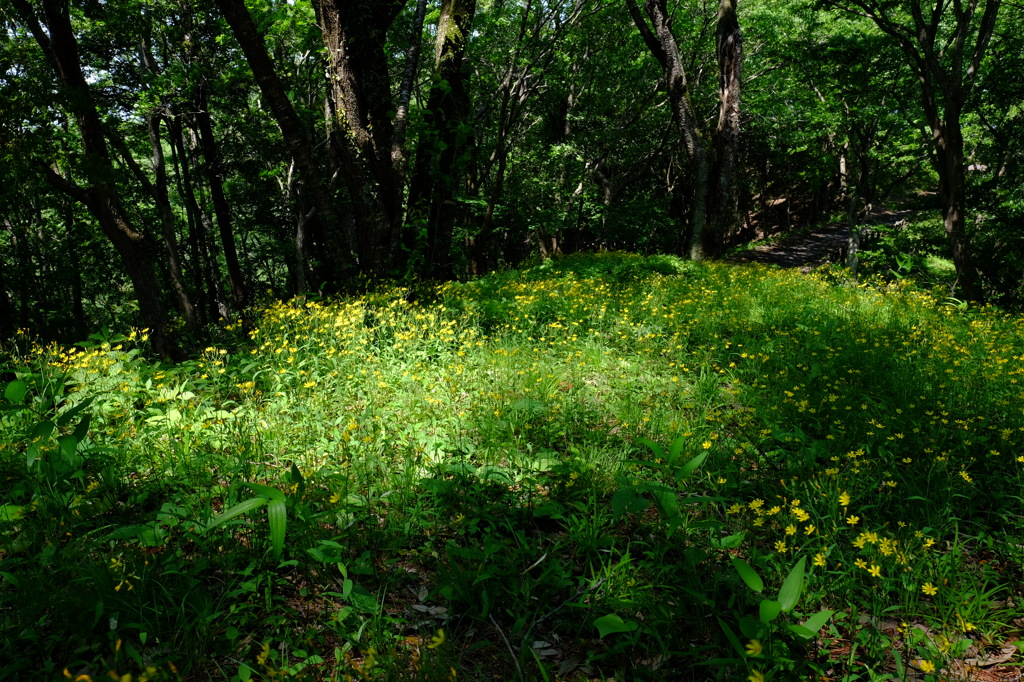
{"x":816,"y":247}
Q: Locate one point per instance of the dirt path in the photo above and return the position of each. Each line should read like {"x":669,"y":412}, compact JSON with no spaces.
{"x":809,"y":250}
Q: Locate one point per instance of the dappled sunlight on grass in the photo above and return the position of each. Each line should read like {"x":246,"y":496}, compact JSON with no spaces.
{"x":571,"y":454}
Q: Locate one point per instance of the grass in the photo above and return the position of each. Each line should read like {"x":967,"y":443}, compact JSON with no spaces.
{"x":605,"y":466}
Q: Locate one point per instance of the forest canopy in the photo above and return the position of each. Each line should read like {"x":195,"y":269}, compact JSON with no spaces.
{"x":166,"y":162}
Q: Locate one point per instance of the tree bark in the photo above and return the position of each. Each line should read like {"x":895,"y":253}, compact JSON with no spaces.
{"x":663,"y":46}
{"x":221,"y":208}
{"x":729,"y":49}
{"x":440,"y":155}
{"x":101,"y":195}
{"x":354,"y":33}
{"x":314,"y":180}
{"x":946,"y":69}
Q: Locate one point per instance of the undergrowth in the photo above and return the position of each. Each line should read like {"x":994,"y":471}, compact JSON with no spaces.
{"x":603,"y":466}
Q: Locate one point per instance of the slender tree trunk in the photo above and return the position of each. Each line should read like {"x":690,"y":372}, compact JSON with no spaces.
{"x":204,"y":295}
{"x":21,"y":285}
{"x":947,"y":69}
{"x":81,"y":329}
{"x":953,"y":202}
{"x":6,"y":307}
{"x":167,"y":224}
{"x":663,"y":46}
{"x":440,"y":156}
{"x":221,"y":208}
{"x":313,"y":178}
{"x":729,"y":48}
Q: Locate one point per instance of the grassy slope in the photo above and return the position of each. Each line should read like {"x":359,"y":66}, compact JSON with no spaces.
{"x":504,"y":467}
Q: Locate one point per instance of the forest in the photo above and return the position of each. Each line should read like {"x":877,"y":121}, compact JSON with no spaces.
{"x":167,"y":164}
{"x":416,"y":340}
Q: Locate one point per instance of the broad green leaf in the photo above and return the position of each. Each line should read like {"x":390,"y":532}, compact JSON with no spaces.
{"x":729,"y":541}
{"x":658,"y":451}
{"x":667,"y":503}
{"x":16,"y":392}
{"x":817,"y":621}
{"x":801,"y":632}
{"x":612,"y":623}
{"x":43,"y":430}
{"x":67,"y":417}
{"x":528,"y":405}
{"x":677,"y":448}
{"x":68,"y":446}
{"x":277,"y":515}
{"x":127,"y":532}
{"x":749,"y":575}
{"x":691,"y":466}
{"x":265,"y":491}
{"x":627,"y":500}
{"x":83,"y":428}
{"x":31,"y":454}
{"x":10,"y":512}
{"x":769,"y":610}
{"x":752,"y":628}
{"x":489,"y":472}
{"x":789,"y":593}
{"x":731,"y":636}
{"x":236,"y":511}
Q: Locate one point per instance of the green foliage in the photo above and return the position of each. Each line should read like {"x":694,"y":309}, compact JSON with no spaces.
{"x":583,"y":467}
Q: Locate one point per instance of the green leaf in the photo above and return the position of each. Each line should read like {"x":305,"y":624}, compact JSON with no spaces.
{"x":801,"y":632}
{"x":83,"y":428}
{"x":66,"y":418}
{"x":16,"y":392}
{"x":668,"y":503}
{"x":731,"y":636}
{"x":10,"y":512}
{"x":68,"y":446}
{"x":628,"y":500}
{"x":817,"y":621}
{"x":528,"y":405}
{"x":277,"y":515}
{"x":677,"y":448}
{"x":43,"y":430}
{"x":789,"y":593}
{"x":691,"y":466}
{"x":658,"y":451}
{"x":612,"y":623}
{"x":729,"y":541}
{"x":265,"y":491}
{"x":236,"y":511}
{"x":769,"y":610}
{"x":749,"y":575}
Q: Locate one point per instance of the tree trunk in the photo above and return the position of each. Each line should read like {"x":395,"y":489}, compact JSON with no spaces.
{"x":723,"y":212}
{"x":221,"y":208}
{"x":440,"y":155}
{"x":354,"y":33}
{"x":101,"y":195}
{"x":947,"y":69}
{"x":6,"y":307}
{"x":158,"y":190}
{"x":313,"y":178}
{"x":663,"y":46}
{"x":204,"y":292}
{"x":949,"y":144}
